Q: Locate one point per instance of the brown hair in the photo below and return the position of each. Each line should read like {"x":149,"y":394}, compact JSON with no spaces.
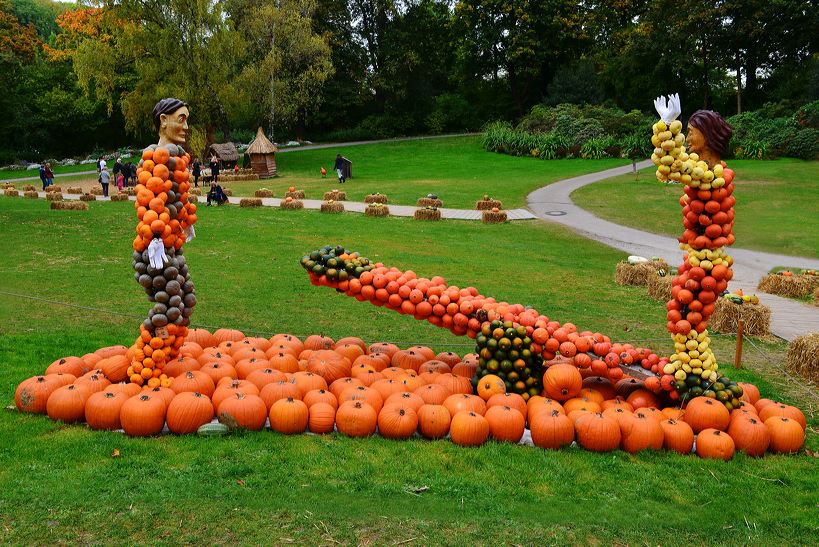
{"x":715,"y":129}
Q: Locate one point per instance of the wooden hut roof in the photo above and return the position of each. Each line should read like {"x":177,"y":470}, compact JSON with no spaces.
{"x":225,"y":151}
{"x":261,"y":144}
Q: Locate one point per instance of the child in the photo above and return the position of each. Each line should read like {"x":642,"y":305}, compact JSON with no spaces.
{"x":120,"y":182}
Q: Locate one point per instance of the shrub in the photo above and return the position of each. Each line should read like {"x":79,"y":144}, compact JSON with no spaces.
{"x":805,"y":145}
{"x":808,"y":115}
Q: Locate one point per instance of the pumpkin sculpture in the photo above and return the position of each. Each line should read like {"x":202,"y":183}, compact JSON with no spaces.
{"x":166,"y":218}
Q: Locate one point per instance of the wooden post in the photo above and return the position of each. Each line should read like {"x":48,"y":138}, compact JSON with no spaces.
{"x":738,"y":355}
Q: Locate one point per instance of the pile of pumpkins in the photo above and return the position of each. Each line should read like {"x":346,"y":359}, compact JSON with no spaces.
{"x":321,"y":385}
{"x":464,"y":311}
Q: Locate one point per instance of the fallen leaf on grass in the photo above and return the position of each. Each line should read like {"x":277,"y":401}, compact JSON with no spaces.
{"x":115,"y":454}
{"x":240,"y":482}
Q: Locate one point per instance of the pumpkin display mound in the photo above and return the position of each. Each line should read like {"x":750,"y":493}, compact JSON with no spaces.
{"x":74,"y":190}
{"x":89,"y":197}
{"x":487,"y":204}
{"x":31,"y":194}
{"x":11,"y":192}
{"x":377,"y":209}
{"x":295,"y":194}
{"x":413,"y":395}
{"x":332,"y":207}
{"x":376,"y":198}
{"x":263,"y":193}
{"x":69,"y":205}
{"x":291,"y":203}
{"x":493,"y":216}
{"x":430,"y":212}
{"x":431,"y":200}
{"x":119,"y":197}
{"x":728,"y":313}
{"x":803,"y":357}
{"x":54,"y":196}
{"x":335,"y":195}
{"x":250,"y":202}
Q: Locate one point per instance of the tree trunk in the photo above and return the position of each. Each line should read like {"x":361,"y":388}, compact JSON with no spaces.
{"x":739,"y":89}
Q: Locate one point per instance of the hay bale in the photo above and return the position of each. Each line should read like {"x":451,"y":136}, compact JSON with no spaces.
{"x":29,"y":188}
{"x":816,"y":297}
{"x":73,"y":190}
{"x":493,"y":217}
{"x":427,"y":214}
{"x":726,"y":316}
{"x":335,"y":195}
{"x":292,"y":203}
{"x":7,"y":186}
{"x":130,"y":191}
{"x":119,"y":197}
{"x":429,"y":202}
{"x":88,"y":197}
{"x":659,"y":287}
{"x":637,"y":274}
{"x":487,"y":204}
{"x":193,"y":199}
{"x":250,"y":202}
{"x":228,"y":191}
{"x":69,"y":205}
{"x":796,"y":286}
{"x":803,"y":357}
{"x":95,"y":191}
{"x":11,"y":192}
{"x":195,"y":191}
{"x":376,"y":198}
{"x":31,"y":194}
{"x":296,"y":194}
{"x":377,"y":210}
{"x":263,"y":193}
{"x":54,"y":196}
{"x":54,"y":188}
{"x":332,"y":207}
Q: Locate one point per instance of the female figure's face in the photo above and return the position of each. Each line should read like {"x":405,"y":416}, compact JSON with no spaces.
{"x":696,"y":140}
{"x":174,"y":127}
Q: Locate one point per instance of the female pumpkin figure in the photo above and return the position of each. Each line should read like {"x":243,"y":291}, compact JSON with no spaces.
{"x":166,"y":219}
{"x":708,"y":219}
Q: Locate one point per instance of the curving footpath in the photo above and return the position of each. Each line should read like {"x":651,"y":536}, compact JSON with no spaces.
{"x":553,"y":203}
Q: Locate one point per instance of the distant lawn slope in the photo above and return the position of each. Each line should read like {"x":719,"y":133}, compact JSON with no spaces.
{"x":777,"y":206}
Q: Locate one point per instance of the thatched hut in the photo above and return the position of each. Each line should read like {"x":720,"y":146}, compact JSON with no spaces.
{"x":226,"y":154}
{"x":262,"y":154}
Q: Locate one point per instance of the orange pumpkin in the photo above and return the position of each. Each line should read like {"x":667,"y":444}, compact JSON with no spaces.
{"x":289,"y":416}
{"x":189,"y":411}
{"x":715,"y":444}
{"x":562,"y":382}
{"x":506,"y":424}
{"x":597,"y":433}
{"x":433,"y":421}
{"x":102,"y":410}
{"x":397,"y":421}
{"x":356,"y":419}
{"x":551,"y":429}
{"x":490,"y":385}
{"x":321,"y":418}
{"x":468,"y":428}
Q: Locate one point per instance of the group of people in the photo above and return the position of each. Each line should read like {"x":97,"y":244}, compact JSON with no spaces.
{"x":46,"y":175}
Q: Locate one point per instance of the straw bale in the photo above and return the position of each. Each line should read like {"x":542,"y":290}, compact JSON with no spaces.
{"x":332,"y":207}
{"x":376,"y":198}
{"x":803,"y":357}
{"x":228,"y":191}
{"x":54,"y":196}
{"x":659,"y":287}
{"x":263,"y":193}
{"x":292,"y":204}
{"x":377,"y":210}
{"x":429,"y":202}
{"x":119,"y":197}
{"x":250,"y":202}
{"x":73,"y":190}
{"x":296,"y":194}
{"x":195,"y":191}
{"x":69,"y":205}
{"x":88,"y":197}
{"x":488,"y":204}
{"x":95,"y":191}
{"x":29,"y":188}
{"x":493,"y":217}
{"x":796,"y":286}
{"x":637,"y":274}
{"x":427,"y":214}
{"x":726,"y":316}
{"x":54,"y":188}
{"x":335,"y":195}
{"x":31,"y":194}
{"x":11,"y":192}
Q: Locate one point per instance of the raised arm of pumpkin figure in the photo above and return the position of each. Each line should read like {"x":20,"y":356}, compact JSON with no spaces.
{"x":668,"y":139}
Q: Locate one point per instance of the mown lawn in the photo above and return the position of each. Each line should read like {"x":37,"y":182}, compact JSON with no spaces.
{"x":457,"y":170}
{"x":777,"y":204}
{"x":61,"y":483}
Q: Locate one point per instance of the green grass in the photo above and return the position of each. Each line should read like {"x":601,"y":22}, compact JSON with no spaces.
{"x":776,"y":211}
{"x":456,"y":169}
{"x":60,"y":483}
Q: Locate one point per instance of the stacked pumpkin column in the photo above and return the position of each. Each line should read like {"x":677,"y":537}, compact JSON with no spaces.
{"x":708,"y":218}
{"x":165,"y":220}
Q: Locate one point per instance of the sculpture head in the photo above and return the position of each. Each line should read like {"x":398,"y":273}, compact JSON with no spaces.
{"x":708,"y":135}
{"x":171,"y":121}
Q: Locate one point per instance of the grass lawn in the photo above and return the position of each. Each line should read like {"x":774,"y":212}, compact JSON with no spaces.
{"x":60,"y":483}
{"x":458,"y":170}
{"x":776,"y":211}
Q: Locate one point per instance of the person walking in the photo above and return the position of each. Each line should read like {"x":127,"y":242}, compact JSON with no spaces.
{"x":43,"y":176}
{"x":339,"y":167}
{"x":120,"y":182}
{"x":105,"y":179}
{"x":133,"y":174}
{"x":117,"y":169}
{"x":49,"y":175}
{"x":101,"y":164}
{"x":197,"y":172}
